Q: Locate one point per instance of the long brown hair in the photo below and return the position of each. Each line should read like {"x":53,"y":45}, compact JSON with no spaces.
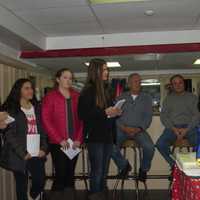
{"x":94,"y":78}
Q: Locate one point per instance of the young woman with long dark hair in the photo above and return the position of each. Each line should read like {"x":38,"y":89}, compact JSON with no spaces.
{"x":60,"y":119}
{"x":96,"y":111}
{"x":23,"y":107}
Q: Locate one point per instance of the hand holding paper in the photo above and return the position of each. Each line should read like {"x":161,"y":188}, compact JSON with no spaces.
{"x":116,"y":109}
{"x":70,"y":152}
{"x":64,"y":144}
{"x":120,"y":103}
{"x":9,"y":119}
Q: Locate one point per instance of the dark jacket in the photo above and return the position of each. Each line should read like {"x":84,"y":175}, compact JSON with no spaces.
{"x":14,"y":148}
{"x":98,"y":128}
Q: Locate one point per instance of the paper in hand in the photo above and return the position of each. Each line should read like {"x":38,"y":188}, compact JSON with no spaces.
{"x":9,"y":120}
{"x":70,"y":152}
{"x":120,"y":103}
{"x":33,"y":144}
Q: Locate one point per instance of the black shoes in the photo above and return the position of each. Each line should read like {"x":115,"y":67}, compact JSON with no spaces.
{"x":142,"y":175}
{"x":124,"y":172}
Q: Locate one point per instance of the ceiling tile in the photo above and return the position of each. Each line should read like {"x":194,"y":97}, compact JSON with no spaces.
{"x":75,"y":17}
{"x":22,"y":5}
{"x":57,"y":15}
{"x":170,"y":15}
{"x":149,"y":25}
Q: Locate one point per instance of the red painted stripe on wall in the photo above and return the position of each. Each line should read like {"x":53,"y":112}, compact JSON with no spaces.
{"x":110,"y":51}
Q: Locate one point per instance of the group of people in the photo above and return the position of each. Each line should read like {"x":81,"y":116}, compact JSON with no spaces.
{"x":89,"y":117}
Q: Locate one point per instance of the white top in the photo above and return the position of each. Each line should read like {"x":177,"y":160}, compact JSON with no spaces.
{"x":134,"y":97}
{"x":31,"y":120}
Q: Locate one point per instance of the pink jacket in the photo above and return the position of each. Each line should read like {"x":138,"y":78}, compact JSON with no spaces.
{"x":54,"y":117}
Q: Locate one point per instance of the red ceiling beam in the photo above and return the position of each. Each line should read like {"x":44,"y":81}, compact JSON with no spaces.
{"x":111,"y":51}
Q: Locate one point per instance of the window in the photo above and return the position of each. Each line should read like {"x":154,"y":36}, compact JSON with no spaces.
{"x":152,"y":87}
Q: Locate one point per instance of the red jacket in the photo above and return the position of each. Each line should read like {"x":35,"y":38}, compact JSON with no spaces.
{"x":54,"y":117}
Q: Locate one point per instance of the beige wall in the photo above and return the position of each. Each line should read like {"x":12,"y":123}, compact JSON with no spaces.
{"x":8,"y":75}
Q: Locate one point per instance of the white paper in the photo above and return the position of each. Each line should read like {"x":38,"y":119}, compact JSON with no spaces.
{"x":192,"y":168}
{"x":9,"y":120}
{"x":33,"y":144}
{"x":120,"y":103}
{"x":70,"y":152}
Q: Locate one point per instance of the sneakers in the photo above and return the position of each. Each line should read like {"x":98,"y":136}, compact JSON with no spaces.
{"x":142,"y":175}
{"x":124,"y":172}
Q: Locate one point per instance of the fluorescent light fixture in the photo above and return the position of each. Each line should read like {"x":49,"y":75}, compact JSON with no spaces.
{"x":150,"y":81}
{"x":114,"y":1}
{"x":149,"y":84}
{"x":109,"y":64}
{"x":113,"y":64}
{"x":148,"y":57}
{"x":197,"y":62}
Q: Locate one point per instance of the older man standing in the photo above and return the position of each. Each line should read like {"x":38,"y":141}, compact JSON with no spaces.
{"x":132,"y":124}
{"x":180,"y":116}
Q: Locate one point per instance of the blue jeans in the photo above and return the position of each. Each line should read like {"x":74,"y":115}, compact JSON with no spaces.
{"x":99,"y":157}
{"x":168,"y":137}
{"x":143,"y":140}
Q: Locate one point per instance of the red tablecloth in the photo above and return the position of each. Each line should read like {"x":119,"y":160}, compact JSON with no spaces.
{"x":185,"y":187}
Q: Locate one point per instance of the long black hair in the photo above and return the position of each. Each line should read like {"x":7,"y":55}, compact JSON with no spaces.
{"x":12,"y":103}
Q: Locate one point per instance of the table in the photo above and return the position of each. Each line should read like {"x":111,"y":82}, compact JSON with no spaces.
{"x":185,"y":187}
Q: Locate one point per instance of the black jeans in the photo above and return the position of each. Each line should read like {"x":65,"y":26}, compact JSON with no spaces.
{"x":36,"y":168}
{"x":99,"y":156}
{"x":64,"y":169}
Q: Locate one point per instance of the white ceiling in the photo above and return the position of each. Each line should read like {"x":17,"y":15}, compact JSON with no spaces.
{"x":78,"y":17}
{"x":171,"y":61}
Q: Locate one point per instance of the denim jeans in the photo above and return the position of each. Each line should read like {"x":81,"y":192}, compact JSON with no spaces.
{"x":99,"y":157}
{"x":168,"y":137}
{"x":143,"y":140}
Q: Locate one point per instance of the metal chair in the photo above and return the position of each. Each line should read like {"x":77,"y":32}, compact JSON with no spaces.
{"x":84,"y":175}
{"x":137,"y":156}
